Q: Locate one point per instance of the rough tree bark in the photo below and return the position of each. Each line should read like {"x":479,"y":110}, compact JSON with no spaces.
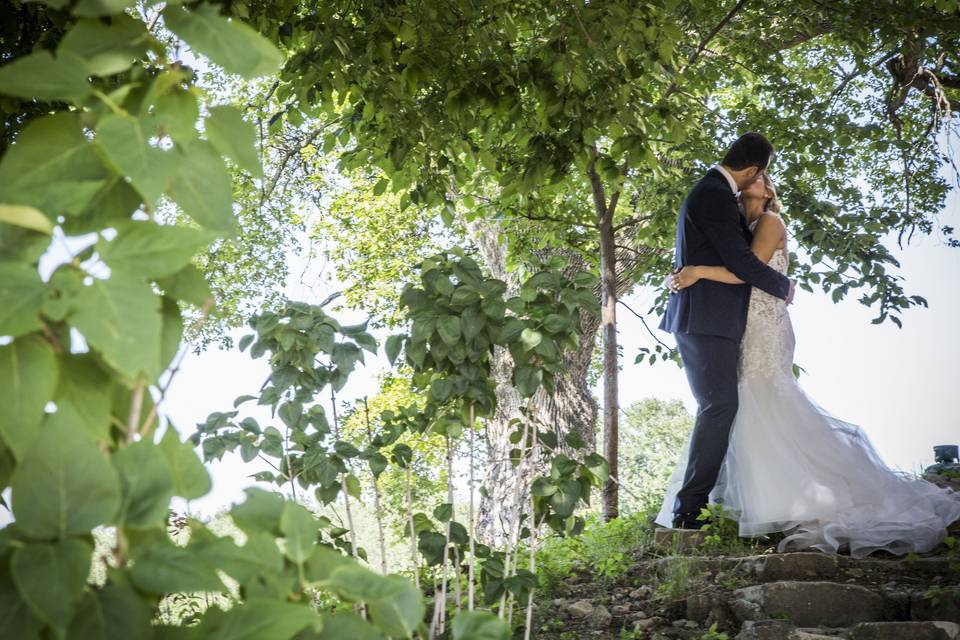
{"x":571,"y":408}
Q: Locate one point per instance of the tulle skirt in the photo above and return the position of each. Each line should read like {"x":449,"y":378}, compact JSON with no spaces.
{"x":792,"y":467}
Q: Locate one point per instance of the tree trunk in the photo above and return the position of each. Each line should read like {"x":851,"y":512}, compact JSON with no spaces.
{"x":571,"y":408}
{"x":608,"y":311}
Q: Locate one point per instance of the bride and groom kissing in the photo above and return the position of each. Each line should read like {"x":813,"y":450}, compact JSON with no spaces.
{"x":760,"y":447}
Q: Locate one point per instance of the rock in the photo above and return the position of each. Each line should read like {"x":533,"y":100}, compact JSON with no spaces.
{"x":559,"y":602}
{"x":947,"y":607}
{"x":640,"y":615}
{"x":809,"y":604}
{"x":580,"y":608}
{"x":641,"y":592}
{"x":646,"y":623}
{"x":600,"y":617}
{"x":934,"y":566}
{"x":896,"y":604}
{"x":620,"y":609}
{"x":701,"y":605}
{"x":795,"y":566}
{"x":765,"y":630}
{"x":930,"y":630}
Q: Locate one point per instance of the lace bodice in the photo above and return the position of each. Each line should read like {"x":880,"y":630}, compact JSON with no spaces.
{"x":768,"y":341}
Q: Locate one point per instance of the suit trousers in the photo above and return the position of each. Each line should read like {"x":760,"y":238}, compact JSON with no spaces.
{"x":710,"y":363}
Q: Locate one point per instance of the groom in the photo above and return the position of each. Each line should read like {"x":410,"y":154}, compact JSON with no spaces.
{"x":708,"y":318}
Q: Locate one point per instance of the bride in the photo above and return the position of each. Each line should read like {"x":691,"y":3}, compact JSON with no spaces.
{"x":791,"y":466}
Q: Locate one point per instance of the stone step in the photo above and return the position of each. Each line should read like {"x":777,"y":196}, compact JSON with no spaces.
{"x":808,"y":604}
{"x":810,"y":565}
{"x":786,"y":630}
{"x":929,"y":630}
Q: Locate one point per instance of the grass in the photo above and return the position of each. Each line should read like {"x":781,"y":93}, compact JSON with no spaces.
{"x":605,"y":550}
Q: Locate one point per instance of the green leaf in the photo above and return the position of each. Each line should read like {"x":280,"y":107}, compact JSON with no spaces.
{"x":146,"y":485}
{"x":399,"y":613}
{"x":510,"y":331}
{"x":393,"y":603}
{"x":51,"y":576}
{"x":203,"y":188}
{"x":527,"y":379}
{"x":171,"y":334}
{"x":479,"y":625}
{"x":393,"y":345}
{"x":449,"y":329}
{"x":7,"y":465}
{"x":26,"y":217}
{"x":443,"y":512}
{"x":259,"y":556}
{"x":299,"y":528}
{"x":261,"y":511}
{"x":530,"y":338}
{"x":64,"y":485}
{"x":21,"y":298}
{"x":120,"y":318}
{"x":153,"y":250}
{"x":472,"y":321}
{"x":234,"y":137}
{"x":41,"y":76}
{"x":190,"y":477}
{"x":188,"y":285}
{"x":575,"y":440}
{"x":127,"y":146}
{"x":162,"y":567}
{"x":230,"y":43}
{"x":84,"y":395}
{"x":346,"y":624}
{"x":29,"y":372}
{"x":107,"y":49}
{"x":113,"y":201}
{"x":564,"y":500}
{"x":543,"y":487}
{"x":49,"y":150}
{"x":555,"y":323}
{"x":16,"y":621}
{"x":101,"y":7}
{"x":174,"y":114}
{"x":260,"y":619}
{"x":598,"y":466}
{"x":431,"y":545}
{"x":113,"y":612}
{"x":353,"y":485}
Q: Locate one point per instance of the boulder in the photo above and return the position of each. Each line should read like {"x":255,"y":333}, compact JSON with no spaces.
{"x":809,"y":604}
{"x":930,"y":630}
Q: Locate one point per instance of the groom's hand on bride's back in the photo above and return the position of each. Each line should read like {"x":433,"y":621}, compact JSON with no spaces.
{"x":792,"y":291}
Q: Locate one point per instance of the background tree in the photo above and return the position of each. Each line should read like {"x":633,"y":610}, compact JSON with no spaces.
{"x":654,"y":434}
{"x":549,"y":125}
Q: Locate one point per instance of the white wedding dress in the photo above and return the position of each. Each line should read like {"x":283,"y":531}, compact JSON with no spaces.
{"x":792,"y":467}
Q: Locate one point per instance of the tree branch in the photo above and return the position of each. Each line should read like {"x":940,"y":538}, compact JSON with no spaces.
{"x":703,"y":45}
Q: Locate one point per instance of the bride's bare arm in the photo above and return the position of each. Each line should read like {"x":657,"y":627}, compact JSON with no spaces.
{"x":768,"y":235}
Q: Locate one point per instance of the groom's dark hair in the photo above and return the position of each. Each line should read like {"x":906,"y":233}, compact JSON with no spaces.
{"x":749,"y":150}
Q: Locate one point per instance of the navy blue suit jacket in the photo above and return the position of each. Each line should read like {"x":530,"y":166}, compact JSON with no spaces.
{"x":712,"y":231}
